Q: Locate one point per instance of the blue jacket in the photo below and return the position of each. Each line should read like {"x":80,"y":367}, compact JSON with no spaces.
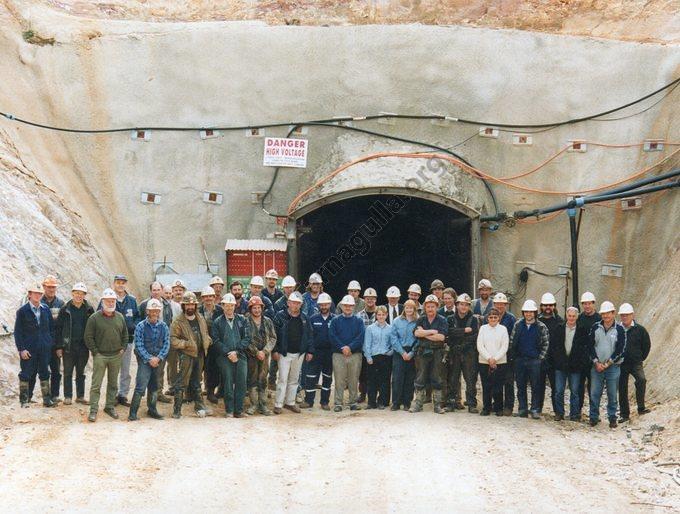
{"x":347,"y":331}
{"x":607,"y":344}
{"x":56,"y":303}
{"x":377,"y":340}
{"x":281,"y":324}
{"x":229,"y":340}
{"x":128,"y":308}
{"x":152,"y":340}
{"x":529,"y":343}
{"x":402,"y":338}
{"x":321,"y":339}
{"x":28,"y":334}
{"x":309,"y":306}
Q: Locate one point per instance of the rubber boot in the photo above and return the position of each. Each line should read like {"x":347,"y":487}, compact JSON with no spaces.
{"x":151,"y":401}
{"x":23,"y":394}
{"x":45,"y":390}
{"x":252,"y":394}
{"x":177,"y":405}
{"x":417,"y":404}
{"x":134,"y":406}
{"x":437,"y":405}
{"x":262,"y":404}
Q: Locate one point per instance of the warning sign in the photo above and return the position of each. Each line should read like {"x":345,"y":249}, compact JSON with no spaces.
{"x":286,"y":152}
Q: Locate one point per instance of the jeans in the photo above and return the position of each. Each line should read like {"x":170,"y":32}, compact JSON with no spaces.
{"x":574,"y":379}
{"x":147,"y":377}
{"x":467,"y":364}
{"x":125,"y":378}
{"x":109,"y":365}
{"x":597,"y":381}
{"x":637,"y":370}
{"x":77,"y":358}
{"x":527,"y":371}
{"x":234,"y":378}
{"x":492,"y":386}
{"x":403,"y":377}
{"x":509,"y":387}
{"x":379,"y":380}
{"x":321,"y":364}
{"x":548,"y":372}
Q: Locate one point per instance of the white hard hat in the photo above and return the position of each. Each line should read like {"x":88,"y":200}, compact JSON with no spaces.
{"x":354,"y":285}
{"x":216,"y":280}
{"x":79,"y":286}
{"x":288,"y":281}
{"x":154,"y":305}
{"x":587,"y":297}
{"x":370,"y":292}
{"x":324,"y":298}
{"x":500,"y":298}
{"x":607,"y":307}
{"x":178,"y":283}
{"x":208,"y":291}
{"x":315,"y":278}
{"x":228,"y":298}
{"x":548,"y":299}
{"x":626,"y":308}
{"x":414,"y":288}
{"x":431,"y":299}
{"x":484,"y":283}
{"x":109,"y":294}
{"x":257,"y":281}
{"x":348,"y":299}
{"x":529,"y":305}
{"x":36,"y":288}
{"x":463,"y":298}
{"x":271,"y":274}
{"x":295,"y":297}
{"x":393,"y":292}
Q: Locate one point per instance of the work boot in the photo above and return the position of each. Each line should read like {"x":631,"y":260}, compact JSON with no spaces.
{"x":152,"y":411}
{"x":82,"y":401}
{"x":23,"y":394}
{"x":134,"y":406}
{"x":111,"y":411}
{"x":121,"y":400}
{"x":362,"y":397}
{"x":92,"y":417}
{"x":212,"y":398}
{"x":417,"y":404}
{"x":437,"y":405}
{"x":164,"y":399}
{"x":473,"y":410}
{"x":262,"y":404}
{"x":45,"y":390}
{"x":252,"y":394}
{"x":177,"y":405}
{"x":507,"y":412}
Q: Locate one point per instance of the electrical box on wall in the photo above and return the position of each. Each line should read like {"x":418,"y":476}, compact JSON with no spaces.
{"x":213,"y":197}
{"x":255,"y":132}
{"x":522,"y":140}
{"x":151,"y":198}
{"x":612,"y":270}
{"x":577,"y":145}
{"x":209,"y":134}
{"x":653,"y":145}
{"x":631,"y":204}
{"x":140,"y":135}
{"x":489,"y":132}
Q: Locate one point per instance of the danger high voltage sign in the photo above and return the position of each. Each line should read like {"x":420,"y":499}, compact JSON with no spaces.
{"x":285,"y":152}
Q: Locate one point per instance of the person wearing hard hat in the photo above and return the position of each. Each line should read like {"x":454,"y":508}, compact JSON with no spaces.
{"x":262,"y":342}
{"x":236,"y":289}
{"x":314,"y":289}
{"x":293,"y":336}
{"x":178,"y":290}
{"x":431,"y":331}
{"x":529,"y":342}
{"x":126,"y":304}
{"x":70,"y":332}
{"x":483,"y":303}
{"x":378,"y":354}
{"x":508,"y":320}
{"x":53,"y":303}
{"x":437,"y":289}
{"x":152,"y":344}
{"x":288,"y":285}
{"x":256,"y":287}
{"x":568,"y":356}
{"x":588,"y":317}
{"x":33,"y":339}
{"x":189,"y":337}
{"x":272,"y":292}
{"x":638,"y":345}
{"x":394,"y":308}
{"x":462,"y":359}
{"x":414,"y":292}
{"x":448,"y":301}
{"x":550,"y":318}
{"x":607,"y":344}
{"x":346,"y":332}
{"x":217,"y":285}
{"x":353,"y":289}
{"x":492,"y":346}
{"x":210,"y":312}
{"x":320,"y":355}
{"x":404,"y":345}
{"x":230,"y":334}
{"x":107,"y":338}
{"x":367,"y":315}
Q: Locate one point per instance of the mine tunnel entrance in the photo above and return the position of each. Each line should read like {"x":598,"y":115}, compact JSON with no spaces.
{"x":383,"y":240}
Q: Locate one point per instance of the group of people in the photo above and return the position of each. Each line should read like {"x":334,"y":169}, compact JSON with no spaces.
{"x":396,"y":355}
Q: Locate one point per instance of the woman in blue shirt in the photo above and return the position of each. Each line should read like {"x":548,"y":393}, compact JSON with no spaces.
{"x":378,"y":353}
{"x":403,"y":344}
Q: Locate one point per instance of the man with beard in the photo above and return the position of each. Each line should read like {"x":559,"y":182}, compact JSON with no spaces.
{"x":272,"y":292}
{"x":309,"y":299}
{"x":236,"y":289}
{"x":554,"y":322}
{"x":262,"y":342}
{"x":463,"y":357}
{"x":320,"y":355}
{"x":483,"y":304}
{"x":414,"y":293}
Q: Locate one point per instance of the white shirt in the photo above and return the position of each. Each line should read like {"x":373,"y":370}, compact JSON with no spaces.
{"x":492,"y":343}
{"x":569,"y":338}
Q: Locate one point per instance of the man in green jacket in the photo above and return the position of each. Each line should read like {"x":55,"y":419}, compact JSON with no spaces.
{"x":106,"y":336}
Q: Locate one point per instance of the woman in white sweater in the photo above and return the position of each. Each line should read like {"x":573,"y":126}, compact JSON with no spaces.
{"x":492,"y":345}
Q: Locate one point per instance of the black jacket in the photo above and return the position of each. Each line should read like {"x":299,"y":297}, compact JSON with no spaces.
{"x":457,"y":339}
{"x":577,"y":359}
{"x":64,"y":325}
{"x":555,"y":324}
{"x":637,"y":345}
